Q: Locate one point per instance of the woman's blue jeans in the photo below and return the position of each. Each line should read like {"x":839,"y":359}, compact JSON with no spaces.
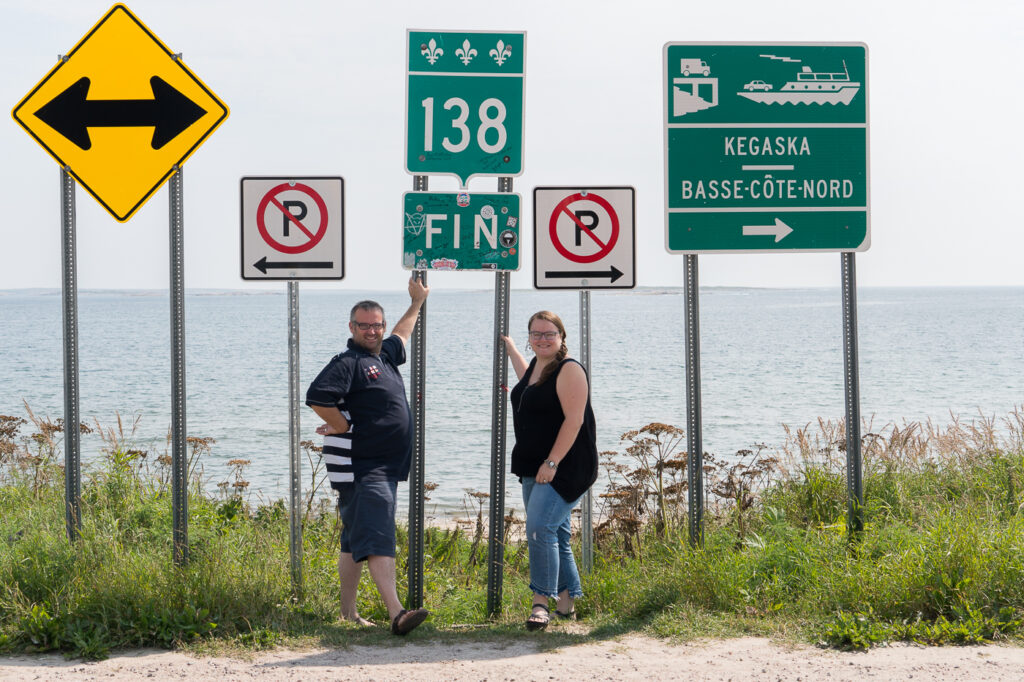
{"x":552,"y":566}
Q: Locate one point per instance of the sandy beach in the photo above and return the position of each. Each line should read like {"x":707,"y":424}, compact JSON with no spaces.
{"x":631,"y":657}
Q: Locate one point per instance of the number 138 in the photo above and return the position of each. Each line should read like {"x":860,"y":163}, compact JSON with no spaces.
{"x":487,"y":122}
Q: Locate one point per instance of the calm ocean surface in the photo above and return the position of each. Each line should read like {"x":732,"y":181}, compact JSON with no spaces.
{"x":769,"y":357}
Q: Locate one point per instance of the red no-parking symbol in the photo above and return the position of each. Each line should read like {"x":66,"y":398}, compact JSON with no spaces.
{"x":290,"y":219}
{"x":579,"y":207}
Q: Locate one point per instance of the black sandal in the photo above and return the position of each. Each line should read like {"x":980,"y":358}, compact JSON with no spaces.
{"x":566,"y":616}
{"x":537,"y":619}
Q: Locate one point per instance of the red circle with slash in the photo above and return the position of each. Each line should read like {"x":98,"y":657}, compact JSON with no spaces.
{"x":563,"y":207}
{"x":271,"y":198}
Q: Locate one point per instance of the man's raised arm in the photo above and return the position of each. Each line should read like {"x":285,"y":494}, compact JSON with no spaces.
{"x":418,"y":293}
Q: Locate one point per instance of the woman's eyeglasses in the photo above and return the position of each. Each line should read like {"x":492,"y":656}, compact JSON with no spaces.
{"x":547,"y":336}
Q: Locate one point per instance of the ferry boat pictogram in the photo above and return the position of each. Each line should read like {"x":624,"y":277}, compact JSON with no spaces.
{"x":811,"y":87}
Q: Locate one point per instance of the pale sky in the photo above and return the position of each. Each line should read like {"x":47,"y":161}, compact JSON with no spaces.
{"x":317,"y":87}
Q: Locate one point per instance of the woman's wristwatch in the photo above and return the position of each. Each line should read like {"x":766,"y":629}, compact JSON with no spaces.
{"x":552,"y":464}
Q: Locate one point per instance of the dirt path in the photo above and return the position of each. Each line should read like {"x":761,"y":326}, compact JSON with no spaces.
{"x":628,"y":658}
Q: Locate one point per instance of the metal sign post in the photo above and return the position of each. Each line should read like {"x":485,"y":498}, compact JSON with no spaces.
{"x":854,"y":465}
{"x":499,"y":409}
{"x":587,"y":505}
{"x":72,"y":435}
{"x":417,"y":472}
{"x":179,"y":456}
{"x":695,"y":446}
{"x":294,"y":463}
{"x":744,"y":176}
{"x":293,"y":228}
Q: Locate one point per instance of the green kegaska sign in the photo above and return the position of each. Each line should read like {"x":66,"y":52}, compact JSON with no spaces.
{"x":461,"y":231}
{"x":766,"y":147}
{"x":464,"y":98}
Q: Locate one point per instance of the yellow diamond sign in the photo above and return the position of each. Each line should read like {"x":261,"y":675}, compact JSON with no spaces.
{"x":121,"y":112}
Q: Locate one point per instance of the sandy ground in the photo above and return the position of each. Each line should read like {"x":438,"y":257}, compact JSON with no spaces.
{"x":627,"y":658}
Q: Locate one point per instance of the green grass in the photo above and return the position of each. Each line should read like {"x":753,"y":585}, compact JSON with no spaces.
{"x":940,"y":561}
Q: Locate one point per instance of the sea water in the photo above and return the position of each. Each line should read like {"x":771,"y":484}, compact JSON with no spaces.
{"x":768,"y":357}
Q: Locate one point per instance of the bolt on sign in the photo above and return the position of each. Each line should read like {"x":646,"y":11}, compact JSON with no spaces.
{"x":464,"y":103}
{"x":461,"y":231}
{"x":766,"y":147}
{"x":121,"y":112}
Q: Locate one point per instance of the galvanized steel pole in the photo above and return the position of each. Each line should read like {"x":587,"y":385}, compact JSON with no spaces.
{"x":179,"y":456}
{"x":499,"y":387}
{"x":294,"y":463}
{"x":586,"y":512}
{"x":854,"y":465}
{"x":695,"y":466}
{"x":72,"y":435}
{"x":417,"y":490}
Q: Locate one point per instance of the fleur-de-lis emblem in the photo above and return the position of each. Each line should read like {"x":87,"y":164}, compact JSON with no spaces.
{"x":501,"y":52}
{"x":465,"y":53}
{"x":431,"y":51}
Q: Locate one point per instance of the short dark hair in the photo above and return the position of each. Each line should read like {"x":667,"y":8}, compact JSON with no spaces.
{"x":368,"y":306}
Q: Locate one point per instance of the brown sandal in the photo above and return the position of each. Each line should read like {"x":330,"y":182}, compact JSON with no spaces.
{"x":537,"y":619}
{"x":408,"y":620}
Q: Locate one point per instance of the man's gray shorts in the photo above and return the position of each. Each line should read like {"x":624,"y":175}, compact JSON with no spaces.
{"x":368,"y":518}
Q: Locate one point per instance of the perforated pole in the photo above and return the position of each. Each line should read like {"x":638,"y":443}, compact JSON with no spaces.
{"x":499,"y":409}
{"x":294,"y":463}
{"x":695,"y":464}
{"x":179,"y":455}
{"x":72,"y":435}
{"x":417,"y":490}
{"x":854,"y":465}
{"x":586,"y":505}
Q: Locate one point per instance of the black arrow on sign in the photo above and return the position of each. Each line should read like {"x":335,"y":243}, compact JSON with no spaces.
{"x":262,"y":265}
{"x":612,"y":272}
{"x":71,"y":114}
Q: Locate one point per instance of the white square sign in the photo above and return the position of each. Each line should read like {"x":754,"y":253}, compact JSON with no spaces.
{"x":293,"y":228}
{"x":584,"y":237}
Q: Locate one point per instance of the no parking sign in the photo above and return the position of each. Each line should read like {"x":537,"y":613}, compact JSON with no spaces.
{"x":293,"y":228}
{"x":584,"y":238}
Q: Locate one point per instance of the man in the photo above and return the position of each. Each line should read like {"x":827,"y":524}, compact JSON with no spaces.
{"x":367,"y":433}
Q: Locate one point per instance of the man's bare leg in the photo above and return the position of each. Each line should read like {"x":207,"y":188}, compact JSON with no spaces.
{"x":382,"y":570}
{"x":348,"y":574}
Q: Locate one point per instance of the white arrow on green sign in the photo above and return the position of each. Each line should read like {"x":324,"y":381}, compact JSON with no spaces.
{"x":766,"y":147}
{"x":464,"y":98}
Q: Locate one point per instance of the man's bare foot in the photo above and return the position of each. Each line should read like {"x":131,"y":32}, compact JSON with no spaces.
{"x":360,"y":621}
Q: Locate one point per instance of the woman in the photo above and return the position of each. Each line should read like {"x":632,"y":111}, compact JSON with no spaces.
{"x":555,"y":457}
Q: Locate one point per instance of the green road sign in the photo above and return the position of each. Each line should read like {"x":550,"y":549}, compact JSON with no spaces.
{"x":464,"y":99}
{"x":766,"y":148}
{"x":461,"y":231}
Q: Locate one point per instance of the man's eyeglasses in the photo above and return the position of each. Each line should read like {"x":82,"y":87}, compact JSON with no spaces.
{"x":367,"y":326}
{"x":547,"y":336}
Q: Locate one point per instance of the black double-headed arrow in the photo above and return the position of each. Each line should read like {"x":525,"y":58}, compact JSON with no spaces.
{"x":613,"y":272}
{"x":71,"y":114}
{"x":263,"y":265}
